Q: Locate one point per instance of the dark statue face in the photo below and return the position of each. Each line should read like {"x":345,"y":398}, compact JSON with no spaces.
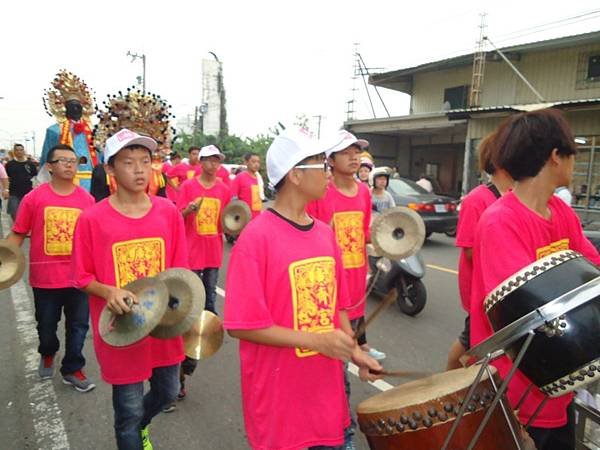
{"x":74,"y":110}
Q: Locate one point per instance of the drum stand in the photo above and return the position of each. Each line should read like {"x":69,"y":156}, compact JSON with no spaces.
{"x":495,"y":347}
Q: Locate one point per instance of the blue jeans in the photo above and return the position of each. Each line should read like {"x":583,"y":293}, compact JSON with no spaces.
{"x":134,"y":410}
{"x":209,"y":277}
{"x":49,"y":305}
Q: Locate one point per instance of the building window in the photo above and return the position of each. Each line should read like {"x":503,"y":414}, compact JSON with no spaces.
{"x":594,"y":67}
{"x":588,"y":70}
{"x":457,"y":96}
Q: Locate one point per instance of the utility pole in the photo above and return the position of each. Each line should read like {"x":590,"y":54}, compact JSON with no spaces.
{"x":135,"y":56}
{"x":319,"y":117}
{"x":355,"y":71}
{"x":478,"y":66}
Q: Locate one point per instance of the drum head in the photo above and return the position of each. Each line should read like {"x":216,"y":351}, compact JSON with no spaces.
{"x":421,"y":391}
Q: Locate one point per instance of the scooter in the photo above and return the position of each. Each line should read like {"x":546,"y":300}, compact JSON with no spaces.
{"x":404,"y":275}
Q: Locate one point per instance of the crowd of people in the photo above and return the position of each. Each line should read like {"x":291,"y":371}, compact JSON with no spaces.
{"x":304,"y":256}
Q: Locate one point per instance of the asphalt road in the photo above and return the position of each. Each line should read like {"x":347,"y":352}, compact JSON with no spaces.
{"x":49,"y":415}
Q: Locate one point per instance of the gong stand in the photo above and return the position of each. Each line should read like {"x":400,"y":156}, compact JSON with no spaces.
{"x":495,"y":346}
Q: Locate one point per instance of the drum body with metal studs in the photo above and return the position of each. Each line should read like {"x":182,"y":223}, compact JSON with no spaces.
{"x":565,"y":352}
{"x":418,"y":415}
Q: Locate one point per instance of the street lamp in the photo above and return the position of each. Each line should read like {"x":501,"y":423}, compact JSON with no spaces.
{"x":135,"y":56}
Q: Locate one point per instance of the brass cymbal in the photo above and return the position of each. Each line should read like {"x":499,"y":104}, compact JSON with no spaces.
{"x":205,"y":337}
{"x":397,"y":233}
{"x":186,"y":302}
{"x":126,"y":329}
{"x":12,"y":263}
{"x":235,"y":217}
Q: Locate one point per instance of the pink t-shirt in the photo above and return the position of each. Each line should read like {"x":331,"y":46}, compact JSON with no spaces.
{"x":293,"y":398}
{"x":167,"y":169}
{"x":51,"y":218}
{"x":246,"y":188}
{"x":185,"y":171}
{"x":471,"y":209}
{"x":203,"y":229}
{"x":223,"y":175}
{"x":509,"y":237}
{"x":114,"y":249}
{"x":350,"y":218}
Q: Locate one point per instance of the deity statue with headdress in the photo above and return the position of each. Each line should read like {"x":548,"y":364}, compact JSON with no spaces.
{"x":71,"y":103}
{"x":146,"y":114}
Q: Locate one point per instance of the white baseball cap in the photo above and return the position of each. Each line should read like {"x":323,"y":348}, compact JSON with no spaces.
{"x":125,"y":138}
{"x":287,"y":150}
{"x":342,"y":140}
{"x":211,"y":150}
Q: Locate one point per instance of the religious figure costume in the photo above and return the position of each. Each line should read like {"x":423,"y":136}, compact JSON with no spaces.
{"x":71,"y":103}
{"x":144,"y":113}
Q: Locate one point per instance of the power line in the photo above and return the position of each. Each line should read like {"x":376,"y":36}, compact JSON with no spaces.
{"x":582,"y":17}
{"x":596,"y":11}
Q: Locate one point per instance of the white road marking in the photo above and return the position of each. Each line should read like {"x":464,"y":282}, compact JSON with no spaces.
{"x":50,"y":432}
{"x":442,"y":269}
{"x":352,"y":368}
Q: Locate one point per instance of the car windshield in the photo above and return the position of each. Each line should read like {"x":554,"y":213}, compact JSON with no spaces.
{"x":405,"y":187}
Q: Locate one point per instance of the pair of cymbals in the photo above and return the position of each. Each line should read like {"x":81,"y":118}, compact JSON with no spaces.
{"x":235,"y":217}
{"x":168,"y":305}
{"x":186,"y":302}
{"x":397,"y":233}
{"x":12,"y":264}
{"x":126,"y":329}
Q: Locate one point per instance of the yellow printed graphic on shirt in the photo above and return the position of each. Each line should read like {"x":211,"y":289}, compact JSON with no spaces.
{"x":557,"y":246}
{"x":314,"y":296}
{"x":207,"y":218}
{"x":137,"y":259}
{"x":190,"y":174}
{"x":59,"y":224}
{"x":256,"y":201}
{"x":350,"y":236}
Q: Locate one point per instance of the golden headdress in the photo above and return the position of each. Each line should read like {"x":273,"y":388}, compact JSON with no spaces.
{"x":67,"y":86}
{"x":146,"y":114}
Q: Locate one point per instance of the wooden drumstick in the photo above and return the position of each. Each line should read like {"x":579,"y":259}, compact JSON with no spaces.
{"x":387,"y":300}
{"x":400,"y":373}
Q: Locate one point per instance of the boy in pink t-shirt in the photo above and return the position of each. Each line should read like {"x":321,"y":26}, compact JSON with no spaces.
{"x":201,"y":201}
{"x":245,"y":185}
{"x":472,"y":207}
{"x":537,"y":149}
{"x":292,"y":324}
{"x":186,"y":170}
{"x":125,"y":237}
{"x":50,"y":212}
{"x":172,"y":182}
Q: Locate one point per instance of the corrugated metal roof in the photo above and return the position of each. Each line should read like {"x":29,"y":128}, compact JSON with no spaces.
{"x":462,"y":60}
{"x":454,"y":114}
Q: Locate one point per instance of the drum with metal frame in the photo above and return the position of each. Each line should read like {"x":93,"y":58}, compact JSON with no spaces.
{"x":418,"y":415}
{"x":565,"y":352}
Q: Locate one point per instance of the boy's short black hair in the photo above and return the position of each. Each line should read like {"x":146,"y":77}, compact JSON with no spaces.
{"x":50,"y":156}
{"x":111,"y":160}
{"x":192,"y":148}
{"x":525,"y":141}
{"x":249,"y":155}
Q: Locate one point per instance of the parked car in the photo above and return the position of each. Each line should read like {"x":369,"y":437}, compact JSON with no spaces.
{"x":438,"y":211}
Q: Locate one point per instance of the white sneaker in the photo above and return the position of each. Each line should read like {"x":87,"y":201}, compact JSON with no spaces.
{"x":376,"y":354}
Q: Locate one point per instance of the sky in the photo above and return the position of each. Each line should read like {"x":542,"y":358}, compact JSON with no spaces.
{"x":280,"y":59}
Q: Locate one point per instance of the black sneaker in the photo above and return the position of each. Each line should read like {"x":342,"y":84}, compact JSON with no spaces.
{"x":170,"y":408}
